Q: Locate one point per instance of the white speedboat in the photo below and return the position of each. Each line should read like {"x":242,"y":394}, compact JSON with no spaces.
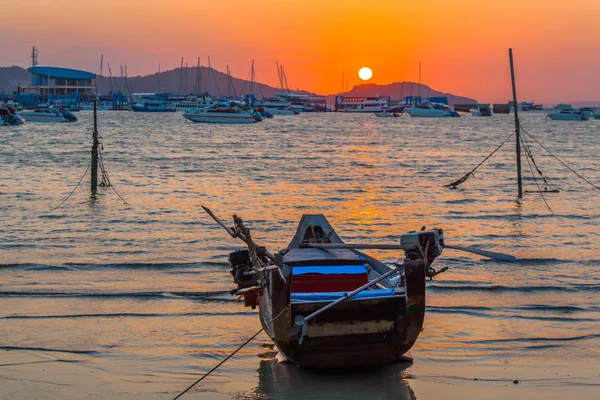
{"x":43,"y":115}
{"x":481,"y":110}
{"x":568,"y":115}
{"x":223,"y":114}
{"x":435,"y":110}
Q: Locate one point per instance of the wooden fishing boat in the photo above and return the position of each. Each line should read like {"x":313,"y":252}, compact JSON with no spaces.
{"x":327,"y":305}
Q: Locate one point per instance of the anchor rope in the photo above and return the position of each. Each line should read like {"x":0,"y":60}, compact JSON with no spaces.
{"x":75,"y":188}
{"x":226,"y":358}
{"x":454,"y":184}
{"x":561,"y":161}
{"x":106,"y":179}
{"x":534,"y":178}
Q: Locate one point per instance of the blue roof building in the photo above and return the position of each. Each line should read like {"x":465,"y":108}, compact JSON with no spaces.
{"x":54,"y":83}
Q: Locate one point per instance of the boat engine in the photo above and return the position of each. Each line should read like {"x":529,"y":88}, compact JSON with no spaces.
{"x":241,"y":269}
{"x":415,"y":243}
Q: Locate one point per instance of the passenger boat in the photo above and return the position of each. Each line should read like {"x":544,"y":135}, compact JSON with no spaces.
{"x":589,"y":111}
{"x":277,"y":106}
{"x":52,"y":114}
{"x":435,"y":110}
{"x":563,"y":106}
{"x":194,"y":103}
{"x":223,"y":114}
{"x":596,"y":114}
{"x":146,"y":105}
{"x":573,"y":114}
{"x":328,"y":306}
{"x":362,"y":104}
{"x":481,"y":110}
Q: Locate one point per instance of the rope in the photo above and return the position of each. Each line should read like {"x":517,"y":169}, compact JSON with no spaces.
{"x":225,"y":359}
{"x":73,"y":191}
{"x":106,"y":179}
{"x":454,"y":184}
{"x":560,"y":161}
{"x":535,"y":179}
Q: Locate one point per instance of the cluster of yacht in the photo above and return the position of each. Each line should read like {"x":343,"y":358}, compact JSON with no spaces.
{"x":229,"y":110}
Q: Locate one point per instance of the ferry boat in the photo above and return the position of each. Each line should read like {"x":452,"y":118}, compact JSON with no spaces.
{"x":435,"y":110}
{"x":194,"y":103}
{"x":223,"y":114}
{"x":146,"y":105}
{"x":568,"y":115}
{"x":563,"y":106}
{"x":277,"y":106}
{"x":481,"y":110}
{"x":362,"y":104}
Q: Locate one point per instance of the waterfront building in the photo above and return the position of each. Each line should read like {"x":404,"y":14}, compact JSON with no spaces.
{"x":56,"y":84}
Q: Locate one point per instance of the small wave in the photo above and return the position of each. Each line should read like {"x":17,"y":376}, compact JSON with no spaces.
{"x":79,"y":266}
{"x":130,"y":315}
{"x":204,"y":296}
{"x":538,"y":339}
{"x":48,"y":349}
{"x":522,"y":289}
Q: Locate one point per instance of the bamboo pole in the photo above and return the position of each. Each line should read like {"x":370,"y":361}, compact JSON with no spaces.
{"x":94,"y":174}
{"x":517,"y":125}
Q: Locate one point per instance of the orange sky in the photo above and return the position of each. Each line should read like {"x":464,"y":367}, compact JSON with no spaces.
{"x":462,"y":44}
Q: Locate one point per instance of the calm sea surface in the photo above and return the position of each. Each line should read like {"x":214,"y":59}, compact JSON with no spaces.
{"x":101,"y":300}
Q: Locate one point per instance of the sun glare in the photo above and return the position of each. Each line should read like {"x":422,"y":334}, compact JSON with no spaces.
{"x":365,"y":73}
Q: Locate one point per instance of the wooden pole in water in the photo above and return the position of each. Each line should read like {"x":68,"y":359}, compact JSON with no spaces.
{"x":94,"y":179}
{"x":517,"y":124}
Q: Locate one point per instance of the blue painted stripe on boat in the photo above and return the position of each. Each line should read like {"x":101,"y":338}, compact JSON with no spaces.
{"x":331,"y":296}
{"x":328,"y":270}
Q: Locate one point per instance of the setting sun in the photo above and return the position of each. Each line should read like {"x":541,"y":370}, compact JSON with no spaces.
{"x":365,"y":73}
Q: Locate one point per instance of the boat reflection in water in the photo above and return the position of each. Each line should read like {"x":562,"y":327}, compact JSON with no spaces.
{"x":283,"y":380}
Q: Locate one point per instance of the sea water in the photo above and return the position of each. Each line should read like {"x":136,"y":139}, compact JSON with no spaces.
{"x":100,"y":299}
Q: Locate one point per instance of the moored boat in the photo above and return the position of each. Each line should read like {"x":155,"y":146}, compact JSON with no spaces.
{"x":52,"y":114}
{"x":328,"y":306}
{"x":435,"y":110}
{"x":481,"y":110}
{"x":147,"y":105}
{"x":386,"y":114}
{"x":223,"y":114}
{"x":8,"y":116}
{"x":573,"y":114}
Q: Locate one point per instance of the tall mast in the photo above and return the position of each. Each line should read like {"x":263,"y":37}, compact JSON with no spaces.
{"x":279,"y":74}
{"x":180,"y":75}
{"x":252,"y":77}
{"x":198,"y":78}
{"x":94,"y":173}
{"x":210,"y":77}
{"x":517,"y":124}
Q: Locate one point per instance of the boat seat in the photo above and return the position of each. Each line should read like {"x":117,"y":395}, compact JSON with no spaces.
{"x":328,"y":278}
{"x":332,"y":296}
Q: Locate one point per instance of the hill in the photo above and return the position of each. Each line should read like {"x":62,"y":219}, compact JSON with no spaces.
{"x":399,"y":90}
{"x":169,"y":82}
{"x":12,"y":77}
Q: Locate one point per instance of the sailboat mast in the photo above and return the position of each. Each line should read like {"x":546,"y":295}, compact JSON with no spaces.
{"x":252,"y":79}
{"x":198,"y":78}
{"x":517,"y":124}
{"x":210,"y":77}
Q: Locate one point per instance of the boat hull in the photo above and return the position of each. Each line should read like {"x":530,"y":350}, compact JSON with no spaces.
{"x":278,"y":111}
{"x":136,"y":109}
{"x":568,"y":117}
{"x":41,"y":118}
{"x":219,"y":119}
{"x":427,"y":113}
{"x":356,"y":333}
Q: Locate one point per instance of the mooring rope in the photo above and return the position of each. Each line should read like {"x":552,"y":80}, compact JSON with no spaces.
{"x":106,"y":179}
{"x":73,"y":191}
{"x":560,"y":161}
{"x":226,"y":358}
{"x":533,"y":175}
{"x":454,"y":184}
